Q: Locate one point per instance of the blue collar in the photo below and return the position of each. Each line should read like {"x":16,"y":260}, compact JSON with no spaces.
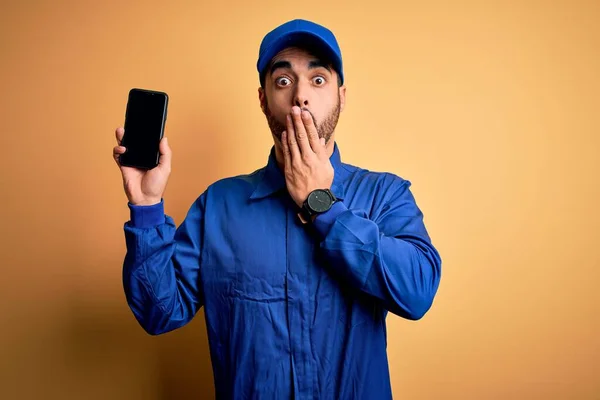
{"x":271,"y":179}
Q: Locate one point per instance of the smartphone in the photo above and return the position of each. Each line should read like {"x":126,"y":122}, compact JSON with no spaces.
{"x":145,"y":119}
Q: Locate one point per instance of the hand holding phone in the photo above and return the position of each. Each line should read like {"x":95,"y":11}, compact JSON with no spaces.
{"x":145,"y":174}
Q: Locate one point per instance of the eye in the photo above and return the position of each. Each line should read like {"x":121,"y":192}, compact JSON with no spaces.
{"x":319,"y":80}
{"x":283,"y":81}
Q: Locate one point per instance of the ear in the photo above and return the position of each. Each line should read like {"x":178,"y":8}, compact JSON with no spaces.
{"x":261,"y":99}
{"x":342,"y":90}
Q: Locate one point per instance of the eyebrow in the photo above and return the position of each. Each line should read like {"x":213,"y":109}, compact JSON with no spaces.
{"x":311,"y":65}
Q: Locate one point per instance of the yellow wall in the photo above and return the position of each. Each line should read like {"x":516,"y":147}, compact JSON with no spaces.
{"x":490,"y":109}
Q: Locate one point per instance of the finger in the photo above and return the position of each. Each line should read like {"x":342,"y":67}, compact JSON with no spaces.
{"x":311,"y":131}
{"x":117,"y":151}
{"x":301,"y":134}
{"x":322,"y":141}
{"x":291,"y":136}
{"x":119,"y":134}
{"x":164,"y":159}
{"x":287,"y":160}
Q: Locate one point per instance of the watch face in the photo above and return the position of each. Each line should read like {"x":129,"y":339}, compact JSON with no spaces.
{"x":319,"y":201}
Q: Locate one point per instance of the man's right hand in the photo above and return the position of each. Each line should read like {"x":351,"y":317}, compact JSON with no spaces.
{"x":144,"y":187}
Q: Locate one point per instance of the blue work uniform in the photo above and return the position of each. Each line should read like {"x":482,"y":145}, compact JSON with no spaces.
{"x":293,"y":310}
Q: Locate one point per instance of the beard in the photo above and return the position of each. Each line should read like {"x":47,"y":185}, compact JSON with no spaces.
{"x":325,"y":129}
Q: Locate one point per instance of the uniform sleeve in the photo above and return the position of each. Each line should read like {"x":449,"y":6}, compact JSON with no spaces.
{"x":161,"y":270}
{"x":390,"y":257}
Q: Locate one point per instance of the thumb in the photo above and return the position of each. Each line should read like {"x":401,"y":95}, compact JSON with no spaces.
{"x":165,"y":152}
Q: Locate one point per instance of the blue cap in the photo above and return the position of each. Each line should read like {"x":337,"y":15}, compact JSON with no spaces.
{"x":300,"y":32}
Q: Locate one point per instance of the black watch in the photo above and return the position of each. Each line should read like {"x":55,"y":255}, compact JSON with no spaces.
{"x":318,"y":201}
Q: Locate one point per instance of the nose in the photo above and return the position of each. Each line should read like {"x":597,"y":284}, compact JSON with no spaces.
{"x":300,"y":102}
{"x":301,"y":96}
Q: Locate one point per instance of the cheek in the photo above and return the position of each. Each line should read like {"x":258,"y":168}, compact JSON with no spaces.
{"x":279,"y":105}
{"x":278,"y":113}
{"x":324,"y":109}
{"x":329,"y":99}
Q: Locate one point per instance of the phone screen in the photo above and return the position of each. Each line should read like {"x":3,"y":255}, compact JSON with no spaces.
{"x":144,"y":126}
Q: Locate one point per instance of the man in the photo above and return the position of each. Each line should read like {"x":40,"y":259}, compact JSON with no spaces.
{"x":297,"y":263}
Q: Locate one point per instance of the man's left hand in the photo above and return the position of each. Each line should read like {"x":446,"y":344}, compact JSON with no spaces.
{"x":306,"y":162}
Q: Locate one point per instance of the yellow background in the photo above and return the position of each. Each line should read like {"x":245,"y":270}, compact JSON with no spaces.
{"x":489,"y":108}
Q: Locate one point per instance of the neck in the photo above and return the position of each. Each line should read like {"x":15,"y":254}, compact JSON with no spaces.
{"x":279,"y":151}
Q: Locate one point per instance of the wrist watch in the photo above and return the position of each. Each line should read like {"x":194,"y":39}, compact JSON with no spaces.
{"x":317,"y":202}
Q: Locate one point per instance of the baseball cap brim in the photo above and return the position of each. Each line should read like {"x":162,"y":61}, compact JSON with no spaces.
{"x":304,"y":39}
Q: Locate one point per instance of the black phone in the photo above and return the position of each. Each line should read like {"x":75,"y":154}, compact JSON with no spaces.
{"x":145,"y":119}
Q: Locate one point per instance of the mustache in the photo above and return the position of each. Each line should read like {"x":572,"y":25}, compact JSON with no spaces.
{"x":310,"y":112}
{"x":282,"y":124}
